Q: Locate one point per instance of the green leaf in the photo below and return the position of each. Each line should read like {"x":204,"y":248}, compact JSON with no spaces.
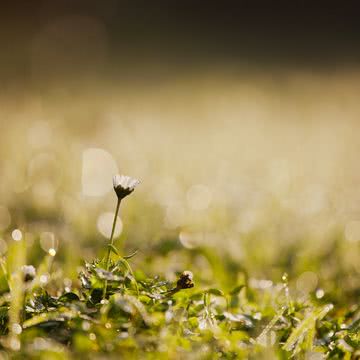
{"x":262,"y":337}
{"x":236,"y":290}
{"x":50,"y":317}
{"x":131,"y":255}
{"x":3,"y":312}
{"x":113,"y":249}
{"x":69,"y":297}
{"x":298,"y":334}
{"x":215,"y":292}
{"x":129,"y":269}
{"x":197,"y":296}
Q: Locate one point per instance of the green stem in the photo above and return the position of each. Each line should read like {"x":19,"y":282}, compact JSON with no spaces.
{"x":107,"y":261}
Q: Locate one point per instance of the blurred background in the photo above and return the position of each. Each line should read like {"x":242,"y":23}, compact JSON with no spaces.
{"x":241,"y":119}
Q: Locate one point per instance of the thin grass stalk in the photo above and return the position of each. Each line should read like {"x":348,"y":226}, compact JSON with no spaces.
{"x":107,"y":260}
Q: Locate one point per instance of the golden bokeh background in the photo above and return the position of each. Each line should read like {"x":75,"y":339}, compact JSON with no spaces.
{"x":253,"y":153}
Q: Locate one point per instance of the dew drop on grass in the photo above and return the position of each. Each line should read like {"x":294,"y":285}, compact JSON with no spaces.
{"x":203,"y":324}
{"x":16,"y":329}
{"x":284,"y":278}
{"x":85,"y":325}
{"x":168,"y":316}
{"x":16,"y":235}
{"x":257,"y":316}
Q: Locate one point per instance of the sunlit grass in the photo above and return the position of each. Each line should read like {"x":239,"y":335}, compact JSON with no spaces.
{"x":242,"y":182}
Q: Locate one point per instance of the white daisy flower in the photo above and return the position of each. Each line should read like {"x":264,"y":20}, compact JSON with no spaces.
{"x":124,"y":185}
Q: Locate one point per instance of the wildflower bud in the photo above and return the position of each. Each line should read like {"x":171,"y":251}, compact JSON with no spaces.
{"x":124,"y":185}
{"x":185,"y":280}
{"x":29,"y":272}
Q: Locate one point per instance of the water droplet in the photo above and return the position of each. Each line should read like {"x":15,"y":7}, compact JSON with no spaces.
{"x":320,"y":293}
{"x":16,"y":329}
{"x":85,"y":325}
{"x":16,"y":235}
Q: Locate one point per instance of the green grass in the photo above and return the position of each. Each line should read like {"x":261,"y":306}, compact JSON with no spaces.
{"x":211,"y":308}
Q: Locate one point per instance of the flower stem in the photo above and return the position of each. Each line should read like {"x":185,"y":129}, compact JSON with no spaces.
{"x":107,"y":261}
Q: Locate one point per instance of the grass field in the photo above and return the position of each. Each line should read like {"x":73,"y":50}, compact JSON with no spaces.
{"x":241,"y":241}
